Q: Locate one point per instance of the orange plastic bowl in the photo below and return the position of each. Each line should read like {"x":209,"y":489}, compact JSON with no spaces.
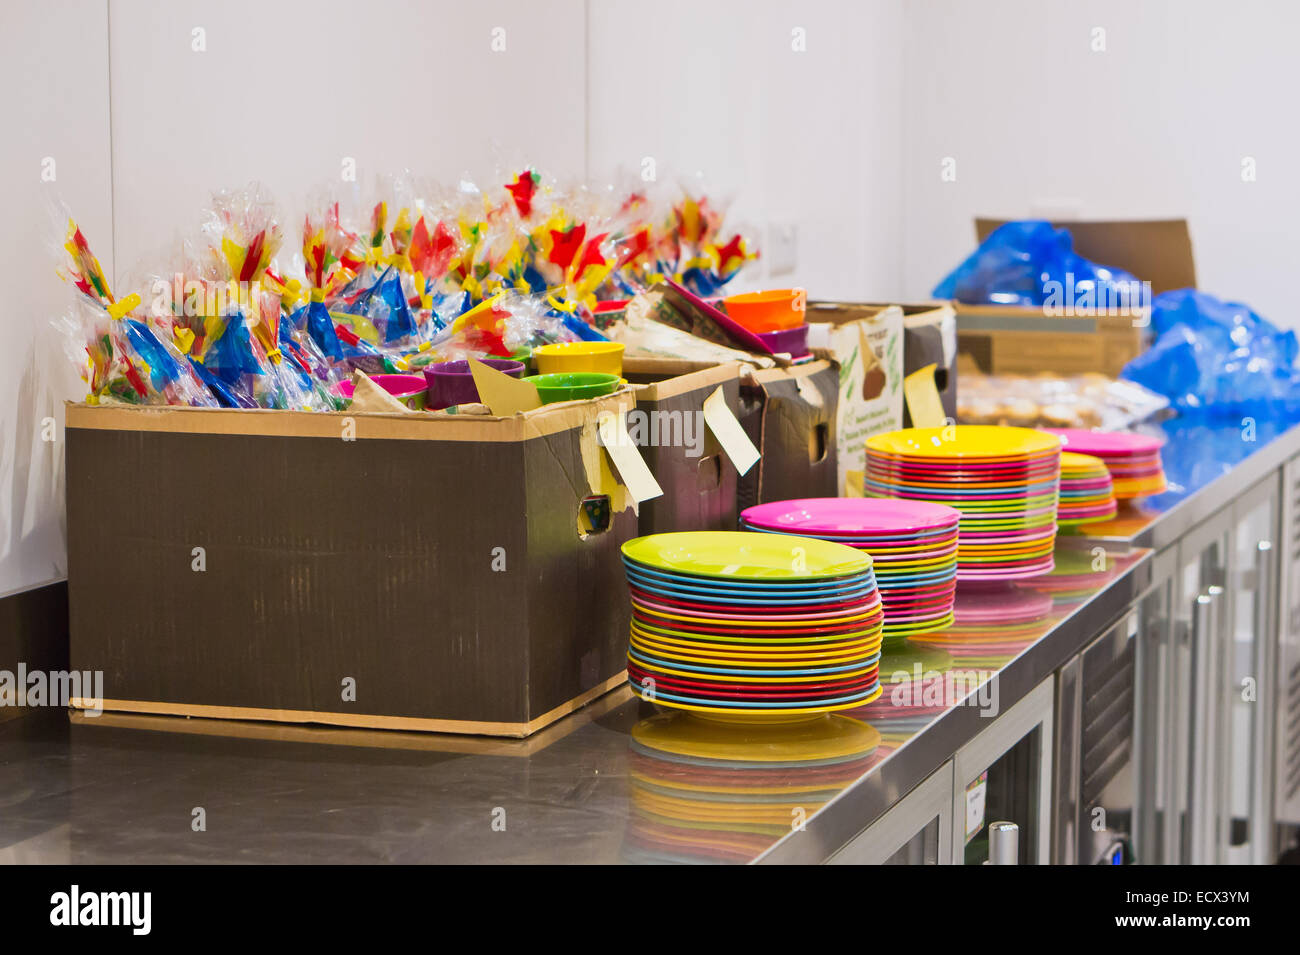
{"x":772,"y":311}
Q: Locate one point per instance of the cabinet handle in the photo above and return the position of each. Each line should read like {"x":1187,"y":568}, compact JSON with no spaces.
{"x":1004,"y":843}
{"x":1199,"y":804}
{"x":1261,"y":788}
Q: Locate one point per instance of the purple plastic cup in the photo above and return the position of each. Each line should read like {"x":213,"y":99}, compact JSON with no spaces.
{"x":450,"y":382}
{"x":791,"y":341}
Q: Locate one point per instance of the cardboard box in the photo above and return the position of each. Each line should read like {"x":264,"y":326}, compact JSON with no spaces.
{"x":697,"y":473}
{"x":1015,"y":340}
{"x":1018,"y":340}
{"x":1158,"y":251}
{"x":790,"y":415}
{"x":930,"y":338}
{"x":431,"y":572}
{"x":867,"y":342}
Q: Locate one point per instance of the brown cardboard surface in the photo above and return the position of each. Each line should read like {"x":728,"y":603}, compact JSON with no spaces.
{"x":699,"y":492}
{"x":1158,"y":251}
{"x":659,"y":378}
{"x":430,"y":426}
{"x":1036,"y":343}
{"x":789,"y":414}
{"x":324,"y":559}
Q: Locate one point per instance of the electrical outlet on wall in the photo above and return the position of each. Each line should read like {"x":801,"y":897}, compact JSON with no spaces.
{"x":781,"y":251}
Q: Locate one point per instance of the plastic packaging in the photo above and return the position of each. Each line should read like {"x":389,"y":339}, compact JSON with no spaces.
{"x":1218,"y":357}
{"x":1050,"y":401}
{"x":125,"y":360}
{"x":1027,"y":262}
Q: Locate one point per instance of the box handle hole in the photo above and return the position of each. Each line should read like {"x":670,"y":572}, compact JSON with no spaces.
{"x":817,"y":442}
{"x":708,"y":473}
{"x":594,"y":515}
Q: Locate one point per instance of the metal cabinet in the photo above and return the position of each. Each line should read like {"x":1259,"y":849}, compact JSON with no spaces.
{"x":1096,"y":753}
{"x":1286,"y":687}
{"x":1206,"y":690}
{"x":1012,"y":759}
{"x":1154,"y":828}
{"x":917,"y":830}
{"x":1247,"y":692}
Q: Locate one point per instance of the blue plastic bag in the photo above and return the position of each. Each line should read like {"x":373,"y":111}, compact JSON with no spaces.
{"x":1218,"y":358}
{"x":1031,"y":262}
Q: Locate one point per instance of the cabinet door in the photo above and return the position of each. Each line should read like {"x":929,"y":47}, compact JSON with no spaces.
{"x":1005,"y":775}
{"x":1286,"y":731}
{"x":1248,"y":670}
{"x":916,"y":830}
{"x":1157,"y":813}
{"x":1202,"y":617}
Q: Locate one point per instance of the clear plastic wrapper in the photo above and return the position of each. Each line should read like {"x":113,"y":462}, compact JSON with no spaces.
{"x":124,"y":359}
{"x":1051,"y":401}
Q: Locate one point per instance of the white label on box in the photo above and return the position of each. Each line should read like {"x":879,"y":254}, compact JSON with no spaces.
{"x":631,"y":467}
{"x":975,"y":795}
{"x":729,"y":432}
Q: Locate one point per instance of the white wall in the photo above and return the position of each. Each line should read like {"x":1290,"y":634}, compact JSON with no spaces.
{"x":805,"y":138}
{"x":54,"y":69}
{"x":1155,"y":126}
{"x":285,"y":91}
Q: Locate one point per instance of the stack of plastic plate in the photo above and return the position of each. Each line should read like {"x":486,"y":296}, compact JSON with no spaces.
{"x":730,"y":624}
{"x":1004,"y":481}
{"x":706,"y":791}
{"x":913,"y":548}
{"x":1087,"y":493}
{"x":1132,"y":459}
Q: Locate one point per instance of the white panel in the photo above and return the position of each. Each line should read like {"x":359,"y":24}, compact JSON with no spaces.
{"x":1157,"y":125}
{"x":54,"y":69}
{"x":806,"y":138}
{"x":284,"y":91}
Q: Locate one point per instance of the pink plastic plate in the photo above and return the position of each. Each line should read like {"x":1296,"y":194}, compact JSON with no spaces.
{"x":852,"y":515}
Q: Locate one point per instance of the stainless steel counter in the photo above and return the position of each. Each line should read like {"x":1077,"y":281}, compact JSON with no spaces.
{"x":616,"y":782}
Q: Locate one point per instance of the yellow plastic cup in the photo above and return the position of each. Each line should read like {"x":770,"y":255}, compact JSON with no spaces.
{"x":604,"y":358}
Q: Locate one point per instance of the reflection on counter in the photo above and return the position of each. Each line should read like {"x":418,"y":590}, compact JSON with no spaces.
{"x":710,"y":791}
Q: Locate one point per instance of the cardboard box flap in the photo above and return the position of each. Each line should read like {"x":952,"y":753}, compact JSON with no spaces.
{"x":1158,"y":251}
{"x":668,"y":377}
{"x":427,"y":426}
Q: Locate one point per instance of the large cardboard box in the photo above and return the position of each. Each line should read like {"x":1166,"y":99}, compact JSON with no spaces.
{"x":790,"y":415}
{"x":696,"y":470}
{"x":1019,"y":340}
{"x":867,"y":342}
{"x":416,"y":572}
